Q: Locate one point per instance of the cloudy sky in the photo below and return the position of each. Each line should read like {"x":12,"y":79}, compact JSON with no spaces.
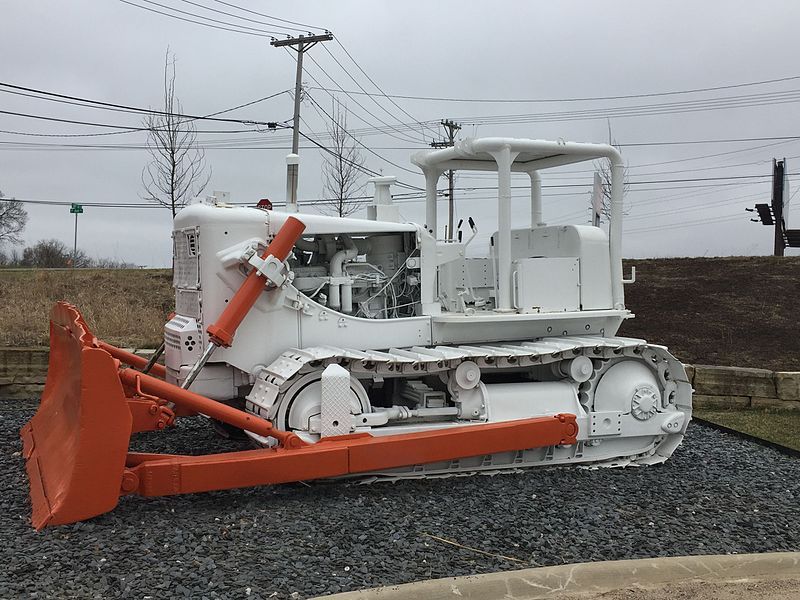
{"x":684,"y":198}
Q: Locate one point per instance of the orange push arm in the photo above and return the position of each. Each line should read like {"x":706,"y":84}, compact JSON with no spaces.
{"x":222,"y":332}
{"x":161,"y":475}
{"x":206,"y":406}
{"x":131,"y":359}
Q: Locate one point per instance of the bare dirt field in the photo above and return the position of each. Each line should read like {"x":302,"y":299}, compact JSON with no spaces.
{"x":739,"y":311}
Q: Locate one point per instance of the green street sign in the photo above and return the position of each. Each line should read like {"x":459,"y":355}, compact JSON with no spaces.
{"x":76,"y":209}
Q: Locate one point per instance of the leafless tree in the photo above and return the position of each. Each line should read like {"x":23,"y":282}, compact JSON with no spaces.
{"x":341,"y":177}
{"x":177,"y":172}
{"x":604,"y":169}
{"x":13,"y":218}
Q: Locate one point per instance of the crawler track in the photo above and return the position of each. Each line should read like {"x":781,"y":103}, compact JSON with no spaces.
{"x":648,"y":447}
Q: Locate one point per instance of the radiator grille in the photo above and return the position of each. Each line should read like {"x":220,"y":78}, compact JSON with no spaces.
{"x":187,"y":303}
{"x":172,"y":339}
{"x":186,"y":258}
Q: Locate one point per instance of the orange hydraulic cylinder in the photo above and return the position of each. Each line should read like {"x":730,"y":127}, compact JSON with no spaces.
{"x":222,"y":332}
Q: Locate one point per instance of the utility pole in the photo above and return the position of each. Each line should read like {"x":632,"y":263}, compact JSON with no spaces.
{"x":778,"y":167}
{"x":773,"y":215}
{"x":300,"y":44}
{"x":451,"y":127}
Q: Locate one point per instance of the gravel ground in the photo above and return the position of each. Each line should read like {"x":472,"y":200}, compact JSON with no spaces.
{"x":716,"y":495}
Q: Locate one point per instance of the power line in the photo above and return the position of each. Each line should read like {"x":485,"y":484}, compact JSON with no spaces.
{"x":35,"y":146}
{"x":357,"y":141}
{"x":588,"y":98}
{"x":153,"y":10}
{"x":378,"y":104}
{"x":100,"y":105}
{"x":125,"y":128}
{"x":150,"y":205}
{"x":357,"y":165}
{"x":253,"y":12}
{"x":372,"y":81}
{"x":707,"y":141}
{"x":259,"y":32}
{"x":109,"y":105}
{"x":690,"y":223}
{"x":693,"y":208}
{"x":651,"y":182}
{"x":727,"y":102}
{"x":222,"y":12}
{"x":402,"y":135}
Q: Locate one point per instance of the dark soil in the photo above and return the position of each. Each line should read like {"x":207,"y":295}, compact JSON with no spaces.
{"x":738,"y":311}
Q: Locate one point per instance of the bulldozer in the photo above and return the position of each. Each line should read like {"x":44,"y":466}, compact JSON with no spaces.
{"x":367,"y":347}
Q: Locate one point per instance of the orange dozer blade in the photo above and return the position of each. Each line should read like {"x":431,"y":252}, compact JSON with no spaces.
{"x":76,"y":444}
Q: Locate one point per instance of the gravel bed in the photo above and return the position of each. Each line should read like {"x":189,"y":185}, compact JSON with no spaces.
{"x":718,"y":494}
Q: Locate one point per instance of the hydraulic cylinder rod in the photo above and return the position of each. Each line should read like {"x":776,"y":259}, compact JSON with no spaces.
{"x":222,"y":331}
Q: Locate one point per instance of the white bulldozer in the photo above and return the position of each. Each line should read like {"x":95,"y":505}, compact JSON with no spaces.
{"x":424,"y":337}
{"x":367,"y":347}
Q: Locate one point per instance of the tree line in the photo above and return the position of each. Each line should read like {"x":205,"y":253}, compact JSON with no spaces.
{"x":55,"y":254}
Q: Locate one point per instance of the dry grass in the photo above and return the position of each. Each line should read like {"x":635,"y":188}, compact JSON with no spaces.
{"x":122,"y":306}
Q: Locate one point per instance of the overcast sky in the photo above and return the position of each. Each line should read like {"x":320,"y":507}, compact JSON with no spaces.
{"x":114,"y":52}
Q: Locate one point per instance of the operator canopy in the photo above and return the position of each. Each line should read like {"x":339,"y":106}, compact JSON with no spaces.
{"x":482,"y":154}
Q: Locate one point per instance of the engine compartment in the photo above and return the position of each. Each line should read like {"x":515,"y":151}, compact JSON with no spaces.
{"x":367,"y":276}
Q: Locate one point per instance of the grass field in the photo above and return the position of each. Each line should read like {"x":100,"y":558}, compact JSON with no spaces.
{"x":780,"y":427}
{"x":740,"y":311}
{"x":122,"y":306}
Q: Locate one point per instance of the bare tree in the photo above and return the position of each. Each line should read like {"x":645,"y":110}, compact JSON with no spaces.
{"x":13,"y":218}
{"x":604,"y":169}
{"x":341,"y":175}
{"x":177,"y":171}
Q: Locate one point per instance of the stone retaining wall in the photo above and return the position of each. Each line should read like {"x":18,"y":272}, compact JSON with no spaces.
{"x":23,"y":372}
{"x":738,"y":387}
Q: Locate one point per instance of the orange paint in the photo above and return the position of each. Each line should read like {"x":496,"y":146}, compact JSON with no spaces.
{"x":222,"y":331}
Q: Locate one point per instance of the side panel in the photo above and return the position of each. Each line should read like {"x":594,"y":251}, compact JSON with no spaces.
{"x":544,"y":285}
{"x":588,"y":244}
{"x":321,"y":326}
{"x":269,"y":329}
